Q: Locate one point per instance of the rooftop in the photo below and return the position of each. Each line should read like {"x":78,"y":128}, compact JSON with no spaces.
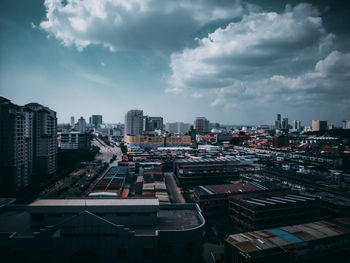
{"x":96,"y":202}
{"x":286,"y":237}
{"x":207,"y":160}
{"x":236,"y":187}
{"x":280,"y":199}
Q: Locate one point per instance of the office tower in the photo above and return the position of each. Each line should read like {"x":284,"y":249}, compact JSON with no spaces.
{"x":15,"y":148}
{"x":152,"y":123}
{"x":278,"y":124}
{"x":285,"y":126}
{"x":133,"y":122}
{"x":296,"y":125}
{"x":44,"y":139}
{"x":72,"y":122}
{"x":201,"y":125}
{"x":318,"y":125}
{"x":346,"y":124}
{"x":96,"y":121}
{"x":178,"y":127}
{"x":81,"y":125}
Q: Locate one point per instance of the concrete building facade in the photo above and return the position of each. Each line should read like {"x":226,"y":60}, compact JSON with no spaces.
{"x":318,"y":125}
{"x":201,"y":125}
{"x":75,"y":140}
{"x":44,"y":139}
{"x":133,"y":123}
{"x":104,"y":230}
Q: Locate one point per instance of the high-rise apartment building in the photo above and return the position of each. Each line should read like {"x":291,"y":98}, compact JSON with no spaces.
{"x":28,"y":144}
{"x":318,"y":125}
{"x":95,"y":121}
{"x":285,"y":125}
{"x":16,"y":161}
{"x":296,"y":125}
{"x":152,"y":123}
{"x":72,"y":122}
{"x":346,"y":124}
{"x":278,"y":123}
{"x":136,"y":123}
{"x":201,"y":124}
{"x":44,"y":139}
{"x":81,"y":125}
{"x":133,"y":122}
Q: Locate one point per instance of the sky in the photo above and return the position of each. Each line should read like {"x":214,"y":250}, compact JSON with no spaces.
{"x":232,"y":61}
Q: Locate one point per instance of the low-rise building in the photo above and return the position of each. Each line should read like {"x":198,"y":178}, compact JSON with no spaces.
{"x":214,"y":199}
{"x":157,"y":141}
{"x":197,"y":171}
{"x":75,"y":140}
{"x":102,"y":230}
{"x":321,"y":241}
{"x":264,"y":210}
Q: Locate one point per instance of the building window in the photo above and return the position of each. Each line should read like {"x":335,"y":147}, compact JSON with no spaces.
{"x":122,"y":254}
{"x":148,"y":253}
{"x":38,"y":217}
{"x":46,"y":256}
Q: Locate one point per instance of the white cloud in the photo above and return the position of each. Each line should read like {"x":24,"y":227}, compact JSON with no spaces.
{"x":132,"y":24}
{"x":266,"y":59}
{"x":255,"y":46}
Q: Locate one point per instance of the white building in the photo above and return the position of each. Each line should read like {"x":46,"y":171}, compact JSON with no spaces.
{"x":346,"y":124}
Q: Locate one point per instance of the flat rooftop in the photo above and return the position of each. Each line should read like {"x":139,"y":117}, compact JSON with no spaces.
{"x":286,"y":237}
{"x":96,"y":202}
{"x":178,"y":219}
{"x":207,"y":160}
{"x":280,"y":199}
{"x":238,"y":187}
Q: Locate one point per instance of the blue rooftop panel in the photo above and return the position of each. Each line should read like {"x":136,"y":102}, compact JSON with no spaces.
{"x":285,"y":235}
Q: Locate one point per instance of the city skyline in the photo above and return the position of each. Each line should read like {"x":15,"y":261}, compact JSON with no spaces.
{"x":179,"y":61}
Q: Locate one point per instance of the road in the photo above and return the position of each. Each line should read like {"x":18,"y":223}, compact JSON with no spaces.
{"x":73,"y":185}
{"x":106,"y":153}
{"x":173,"y":190}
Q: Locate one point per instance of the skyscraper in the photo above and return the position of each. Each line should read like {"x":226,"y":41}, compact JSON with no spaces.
{"x":201,"y":124}
{"x":133,"y":123}
{"x":82,"y":125}
{"x":152,"y":123}
{"x":296,"y":125}
{"x":44,"y":139}
{"x":285,"y":125}
{"x":278,"y":124}
{"x":72,"y":122}
{"x":318,"y":125}
{"x":15,"y":147}
{"x":96,"y":121}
